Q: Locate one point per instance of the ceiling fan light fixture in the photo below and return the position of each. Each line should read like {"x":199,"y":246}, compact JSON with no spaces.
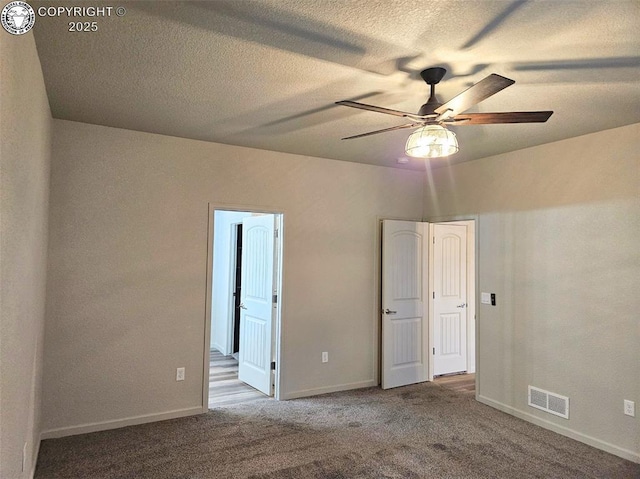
{"x":431,"y":141}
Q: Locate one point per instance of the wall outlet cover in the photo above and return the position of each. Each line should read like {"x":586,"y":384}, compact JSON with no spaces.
{"x":629,"y":408}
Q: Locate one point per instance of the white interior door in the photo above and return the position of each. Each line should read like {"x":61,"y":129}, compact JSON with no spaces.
{"x":404,"y":301}
{"x":449,"y":299}
{"x":256,"y":297}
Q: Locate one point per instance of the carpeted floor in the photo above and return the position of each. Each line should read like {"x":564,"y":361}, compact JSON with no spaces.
{"x":419,"y":431}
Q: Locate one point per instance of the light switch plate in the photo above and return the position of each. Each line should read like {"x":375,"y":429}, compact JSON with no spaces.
{"x":485,"y":298}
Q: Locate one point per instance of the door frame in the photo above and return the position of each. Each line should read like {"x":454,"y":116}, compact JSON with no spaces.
{"x":278,"y":263}
{"x":471,"y":221}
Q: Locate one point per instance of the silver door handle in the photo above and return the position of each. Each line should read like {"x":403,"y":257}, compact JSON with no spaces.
{"x":388,"y":311}
{"x":242,"y":306}
{"x":461,"y":305}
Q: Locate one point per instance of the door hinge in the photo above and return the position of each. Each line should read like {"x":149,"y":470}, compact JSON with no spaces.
{"x":275,"y":298}
{"x":434,"y":351}
{"x":434,"y":295}
{"x":434,"y":240}
{"x":276,"y":232}
{"x":273,"y":365}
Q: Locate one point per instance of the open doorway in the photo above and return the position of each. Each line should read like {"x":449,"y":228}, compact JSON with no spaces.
{"x":244,"y":269}
{"x":428,"y":299}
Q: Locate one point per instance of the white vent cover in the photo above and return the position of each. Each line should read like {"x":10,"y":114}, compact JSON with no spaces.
{"x":549,"y":402}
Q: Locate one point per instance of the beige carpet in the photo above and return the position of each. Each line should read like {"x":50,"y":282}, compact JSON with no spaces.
{"x":420,"y":431}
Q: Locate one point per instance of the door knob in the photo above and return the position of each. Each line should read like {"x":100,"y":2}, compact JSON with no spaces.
{"x":388,"y":311}
{"x":242,"y":306}
{"x":461,"y":305}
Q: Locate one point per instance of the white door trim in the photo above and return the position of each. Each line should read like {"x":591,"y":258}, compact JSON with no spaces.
{"x":211,"y":208}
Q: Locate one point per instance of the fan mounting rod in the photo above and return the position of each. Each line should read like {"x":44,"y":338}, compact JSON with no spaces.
{"x":432,"y":77}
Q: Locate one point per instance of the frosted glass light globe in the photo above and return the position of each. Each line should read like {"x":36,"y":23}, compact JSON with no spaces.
{"x":431,"y":141}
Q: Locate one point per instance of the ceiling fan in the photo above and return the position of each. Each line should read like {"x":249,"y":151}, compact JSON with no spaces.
{"x":432,"y":139}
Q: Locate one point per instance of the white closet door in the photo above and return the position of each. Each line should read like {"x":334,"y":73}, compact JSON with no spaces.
{"x":450,"y":299}
{"x":404,"y":302}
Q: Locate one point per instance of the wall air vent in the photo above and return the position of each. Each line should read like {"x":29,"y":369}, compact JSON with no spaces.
{"x":549,"y":402}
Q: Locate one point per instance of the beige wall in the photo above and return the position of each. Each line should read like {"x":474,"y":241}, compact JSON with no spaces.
{"x":559,"y":229}
{"x":25,"y":124}
{"x":128,"y":244}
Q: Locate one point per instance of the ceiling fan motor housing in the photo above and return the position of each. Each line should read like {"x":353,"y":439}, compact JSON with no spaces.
{"x":429,"y":107}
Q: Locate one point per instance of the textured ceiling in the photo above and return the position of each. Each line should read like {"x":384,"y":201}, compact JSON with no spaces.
{"x":266,"y":73}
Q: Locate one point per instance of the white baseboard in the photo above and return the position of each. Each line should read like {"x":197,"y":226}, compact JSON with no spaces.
{"x":565,"y":431}
{"x":328,"y":389}
{"x":117,"y":423}
{"x":35,"y":459}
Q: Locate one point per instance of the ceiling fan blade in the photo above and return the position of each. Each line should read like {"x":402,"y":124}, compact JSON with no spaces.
{"x":474,"y":95}
{"x":503,"y":117}
{"x":400,"y":127}
{"x":378,"y":109}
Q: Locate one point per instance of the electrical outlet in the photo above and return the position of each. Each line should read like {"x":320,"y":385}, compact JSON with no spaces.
{"x":629,"y":408}
{"x":325,"y":357}
{"x":180,"y":374}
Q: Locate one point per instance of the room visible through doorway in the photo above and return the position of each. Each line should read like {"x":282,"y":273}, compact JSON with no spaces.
{"x":245,"y":285}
